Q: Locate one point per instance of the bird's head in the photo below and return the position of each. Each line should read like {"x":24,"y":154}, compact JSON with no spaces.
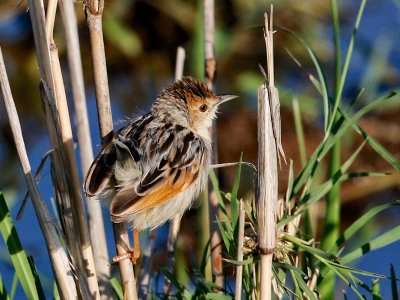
{"x":190,"y":103}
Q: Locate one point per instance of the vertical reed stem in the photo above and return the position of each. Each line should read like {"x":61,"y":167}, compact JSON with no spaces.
{"x":268,"y":146}
{"x":58,"y":256}
{"x":94,"y":13}
{"x":67,"y":139}
{"x":175,"y":224}
{"x":239,"y":268}
{"x":96,"y":224}
{"x":210,"y":73}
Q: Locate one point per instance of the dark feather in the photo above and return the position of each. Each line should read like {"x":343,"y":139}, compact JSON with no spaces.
{"x":101,"y":170}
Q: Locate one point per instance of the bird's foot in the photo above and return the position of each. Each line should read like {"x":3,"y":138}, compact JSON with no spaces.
{"x":132,"y":255}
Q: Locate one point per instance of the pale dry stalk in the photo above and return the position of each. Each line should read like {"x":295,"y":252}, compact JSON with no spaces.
{"x":175,"y":224}
{"x":96,"y":224}
{"x":239,"y":268}
{"x":210,"y":72}
{"x":72,"y":169}
{"x":59,"y":260}
{"x":269,"y":144}
{"x":94,"y":13}
{"x":59,"y":177}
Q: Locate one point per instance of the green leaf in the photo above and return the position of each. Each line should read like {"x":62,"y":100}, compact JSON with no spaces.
{"x":215,"y":184}
{"x":382,"y":240}
{"x":322,"y":86}
{"x":303,"y":285}
{"x":17,"y":253}
{"x":3,"y":292}
{"x":234,"y":199}
{"x":344,"y":275}
{"x":214,"y":296}
{"x":116,"y":285}
{"x":376,"y":290}
{"x":361,"y":222}
{"x":385,"y":154}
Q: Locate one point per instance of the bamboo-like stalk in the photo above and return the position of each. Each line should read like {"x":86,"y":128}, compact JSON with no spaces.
{"x":239,"y":268}
{"x":60,"y":181}
{"x":94,"y":13}
{"x":175,"y":224}
{"x":268,"y":146}
{"x":96,"y":224}
{"x":210,"y":72}
{"x":67,"y":140}
{"x":58,"y":256}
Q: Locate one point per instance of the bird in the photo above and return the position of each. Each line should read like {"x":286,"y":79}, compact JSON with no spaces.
{"x":153,"y":168}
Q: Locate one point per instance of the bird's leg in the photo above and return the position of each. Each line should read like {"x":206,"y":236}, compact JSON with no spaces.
{"x":133,"y":254}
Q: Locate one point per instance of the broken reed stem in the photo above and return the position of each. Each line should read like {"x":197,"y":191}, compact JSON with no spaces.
{"x":175,"y":224}
{"x":239,"y":268}
{"x":59,"y":259}
{"x":72,"y":169}
{"x":96,"y":224}
{"x":94,"y":13}
{"x":268,"y":143}
{"x":210,"y":72}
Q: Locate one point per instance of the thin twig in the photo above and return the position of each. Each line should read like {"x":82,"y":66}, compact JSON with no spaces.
{"x":96,"y":224}
{"x":60,"y":262}
{"x":239,"y":268}
{"x":94,"y":13}
{"x":37,"y":178}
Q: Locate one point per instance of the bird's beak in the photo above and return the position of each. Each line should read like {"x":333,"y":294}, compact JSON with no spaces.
{"x":223,"y":98}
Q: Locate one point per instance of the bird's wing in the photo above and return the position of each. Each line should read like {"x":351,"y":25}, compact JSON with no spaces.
{"x":174,"y":158}
{"x":102,"y":169}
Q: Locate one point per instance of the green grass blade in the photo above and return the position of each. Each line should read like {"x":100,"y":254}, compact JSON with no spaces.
{"x":382,"y":240}
{"x":386,"y":155}
{"x":393,"y":283}
{"x":215,"y":184}
{"x":322,"y":87}
{"x":214,"y":296}
{"x":234,"y":200}
{"x":116,"y":285}
{"x":343,"y":74}
{"x":299,"y":132}
{"x":3,"y":292}
{"x":304,"y":287}
{"x":17,"y":253}
{"x":345,"y":276}
{"x":14,"y":285}
{"x":360,"y":223}
{"x":376,"y":290}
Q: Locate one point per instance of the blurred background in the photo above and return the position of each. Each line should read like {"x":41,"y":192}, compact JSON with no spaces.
{"x":141,"y":38}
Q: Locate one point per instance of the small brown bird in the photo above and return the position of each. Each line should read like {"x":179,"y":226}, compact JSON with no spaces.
{"x":155,"y":166}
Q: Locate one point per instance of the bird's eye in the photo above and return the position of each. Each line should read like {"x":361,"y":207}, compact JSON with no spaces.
{"x":203,"y":108}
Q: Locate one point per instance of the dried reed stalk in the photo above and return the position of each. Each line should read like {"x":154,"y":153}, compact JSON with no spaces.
{"x":210,"y":72}
{"x":63,"y":273}
{"x":94,"y":13}
{"x":96,"y":224}
{"x":72,"y":169}
{"x":239,"y":268}
{"x":175,"y":224}
{"x":268,"y":147}
{"x":59,"y":177}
